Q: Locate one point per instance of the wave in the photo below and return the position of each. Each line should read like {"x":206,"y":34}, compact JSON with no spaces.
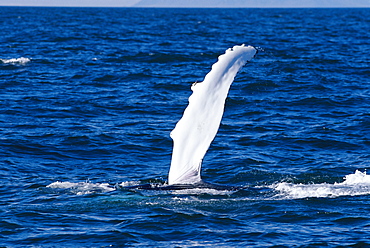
{"x":20,"y":61}
{"x":353,"y":185}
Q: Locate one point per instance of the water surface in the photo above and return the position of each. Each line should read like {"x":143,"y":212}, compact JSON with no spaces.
{"x":88,"y":97}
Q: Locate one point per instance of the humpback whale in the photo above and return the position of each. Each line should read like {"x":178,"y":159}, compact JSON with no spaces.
{"x":200,"y":122}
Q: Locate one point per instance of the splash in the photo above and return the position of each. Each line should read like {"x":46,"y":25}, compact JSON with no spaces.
{"x":81,"y":188}
{"x":353,"y":185}
{"x":20,"y":61}
{"x":199,"y":124}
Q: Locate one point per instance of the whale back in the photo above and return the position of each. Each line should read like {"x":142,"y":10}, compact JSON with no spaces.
{"x":200,"y":122}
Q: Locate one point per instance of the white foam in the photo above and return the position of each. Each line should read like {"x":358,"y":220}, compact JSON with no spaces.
{"x":129,"y":183}
{"x":82,"y":188}
{"x":359,"y":178}
{"x":20,"y":60}
{"x":353,"y":185}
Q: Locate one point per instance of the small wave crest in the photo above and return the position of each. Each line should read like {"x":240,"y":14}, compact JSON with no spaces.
{"x":81,"y":188}
{"x":353,"y":185}
{"x":20,"y":61}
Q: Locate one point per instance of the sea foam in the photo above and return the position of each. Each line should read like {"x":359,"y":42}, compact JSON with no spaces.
{"x":82,"y":188}
{"x":353,"y":184}
{"x":20,"y":60}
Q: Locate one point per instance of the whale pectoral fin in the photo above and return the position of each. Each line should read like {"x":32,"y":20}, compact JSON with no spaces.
{"x":186,"y":175}
{"x":199,"y":124}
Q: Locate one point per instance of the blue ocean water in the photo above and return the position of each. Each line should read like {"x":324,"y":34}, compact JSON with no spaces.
{"x":88,"y":97}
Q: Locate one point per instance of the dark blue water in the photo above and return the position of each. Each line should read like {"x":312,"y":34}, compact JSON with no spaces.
{"x":88,"y":97}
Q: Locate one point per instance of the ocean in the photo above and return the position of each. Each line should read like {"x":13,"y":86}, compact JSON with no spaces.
{"x":89,"y":96}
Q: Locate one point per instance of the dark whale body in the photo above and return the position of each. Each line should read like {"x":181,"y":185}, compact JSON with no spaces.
{"x":199,"y":185}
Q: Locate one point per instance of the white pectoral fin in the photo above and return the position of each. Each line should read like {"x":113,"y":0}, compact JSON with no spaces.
{"x":188,"y":175}
{"x":199,"y":124}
